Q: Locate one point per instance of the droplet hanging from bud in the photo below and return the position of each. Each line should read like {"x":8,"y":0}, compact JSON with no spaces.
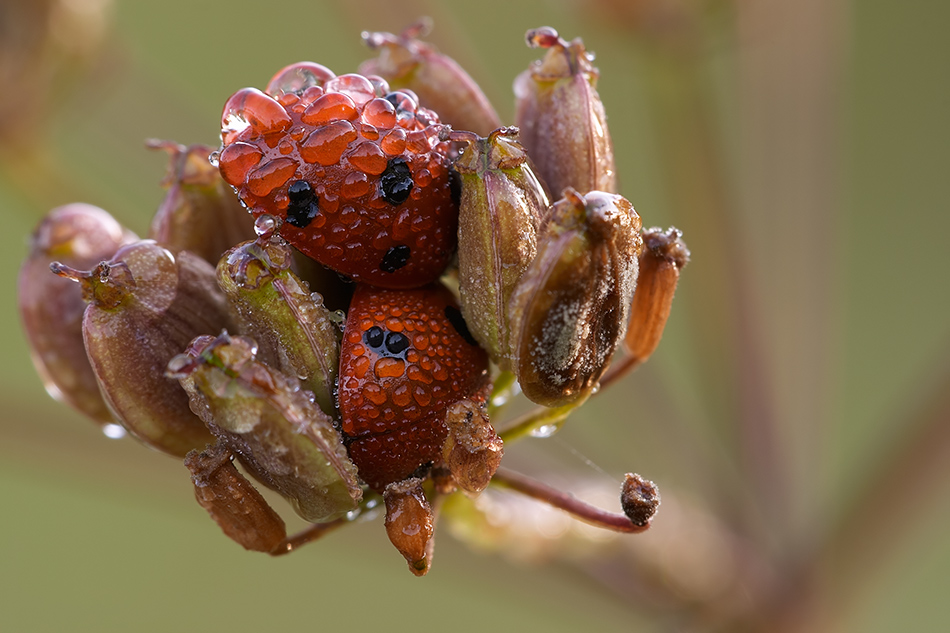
{"x":410,"y":523}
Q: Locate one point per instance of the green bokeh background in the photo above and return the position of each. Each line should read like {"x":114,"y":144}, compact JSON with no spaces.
{"x":845,"y":252}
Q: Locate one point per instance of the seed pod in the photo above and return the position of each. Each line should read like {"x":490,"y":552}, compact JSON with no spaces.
{"x":409,"y":523}
{"x":664,"y":255}
{"x":296,"y":334}
{"x":439,"y":82}
{"x":235,"y":505}
{"x":562,"y":120}
{"x":639,"y":499}
{"x":571,"y":307}
{"x":473,"y":450}
{"x":500,"y":211}
{"x":200,"y":212}
{"x":145,"y":305}
{"x":51,"y":308}
{"x":271,"y":424}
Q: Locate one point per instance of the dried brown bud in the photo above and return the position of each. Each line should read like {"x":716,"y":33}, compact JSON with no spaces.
{"x":263,"y":416}
{"x":501,"y":208}
{"x":295,"y":333}
{"x":200,"y":213}
{"x":473,"y":450}
{"x":409,"y":523}
{"x":664,"y":255}
{"x":235,"y":505}
{"x":639,"y":499}
{"x":562,"y":120}
{"x":51,"y":308}
{"x":571,"y":307}
{"x":439,"y":82}
{"x":145,"y":306}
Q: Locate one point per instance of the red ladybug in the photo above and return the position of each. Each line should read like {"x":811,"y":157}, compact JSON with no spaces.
{"x":406,"y":357}
{"x":357,"y":174}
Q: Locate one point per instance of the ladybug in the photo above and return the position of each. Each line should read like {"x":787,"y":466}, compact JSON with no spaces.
{"x":406,"y":356}
{"x":358,"y":176}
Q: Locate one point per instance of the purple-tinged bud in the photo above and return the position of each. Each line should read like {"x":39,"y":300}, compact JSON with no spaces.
{"x":410,"y":523}
{"x":440,"y":83}
{"x":200,"y":212}
{"x":562,"y":120}
{"x":272,"y":425}
{"x":51,"y":308}
{"x":501,"y":207}
{"x":570,"y":309}
{"x":295,"y":332}
{"x":233,"y":502}
{"x":145,"y":306}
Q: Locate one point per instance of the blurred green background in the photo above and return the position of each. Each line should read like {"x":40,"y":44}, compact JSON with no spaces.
{"x":792,"y":417}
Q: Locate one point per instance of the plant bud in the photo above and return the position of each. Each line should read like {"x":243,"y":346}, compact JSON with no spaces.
{"x":235,"y":505}
{"x":664,"y":255}
{"x":571,"y":307}
{"x":200,"y":213}
{"x":263,"y":416}
{"x":145,"y":305}
{"x":639,"y":499}
{"x":562,"y":120}
{"x":51,"y":308}
{"x":439,"y":82}
{"x":410,"y":523}
{"x":501,"y":207}
{"x":473,"y":450}
{"x":295,"y":333}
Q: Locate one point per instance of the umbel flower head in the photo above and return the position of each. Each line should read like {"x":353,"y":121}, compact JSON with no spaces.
{"x":342,"y":296}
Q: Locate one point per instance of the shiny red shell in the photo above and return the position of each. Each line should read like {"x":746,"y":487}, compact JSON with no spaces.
{"x":357,"y":174}
{"x":406,"y":357}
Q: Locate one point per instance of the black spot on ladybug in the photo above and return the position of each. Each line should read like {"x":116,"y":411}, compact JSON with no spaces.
{"x":396,"y":181}
{"x":303,"y":206}
{"x":455,"y":187}
{"x":374,"y":336}
{"x":396,"y":343}
{"x":393,"y":98}
{"x":455,"y":318}
{"x":395,"y":258}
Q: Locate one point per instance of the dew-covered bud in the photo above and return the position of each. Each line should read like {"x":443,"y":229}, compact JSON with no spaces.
{"x":664,"y":255}
{"x":410,"y":523}
{"x":295,"y":332}
{"x":200,"y":212}
{"x":570,"y":309}
{"x":562,"y":120}
{"x":272,"y":425}
{"x":639,"y":499}
{"x":473,"y":450}
{"x":145,"y":306}
{"x":233,"y":502}
{"x":51,"y":308}
{"x":501,"y":207}
{"x":439,"y":82}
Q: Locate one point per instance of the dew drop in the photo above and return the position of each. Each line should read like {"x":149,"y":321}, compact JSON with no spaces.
{"x":546,"y":430}
{"x":265,"y":225}
{"x":113,"y":431}
{"x":296,"y":78}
